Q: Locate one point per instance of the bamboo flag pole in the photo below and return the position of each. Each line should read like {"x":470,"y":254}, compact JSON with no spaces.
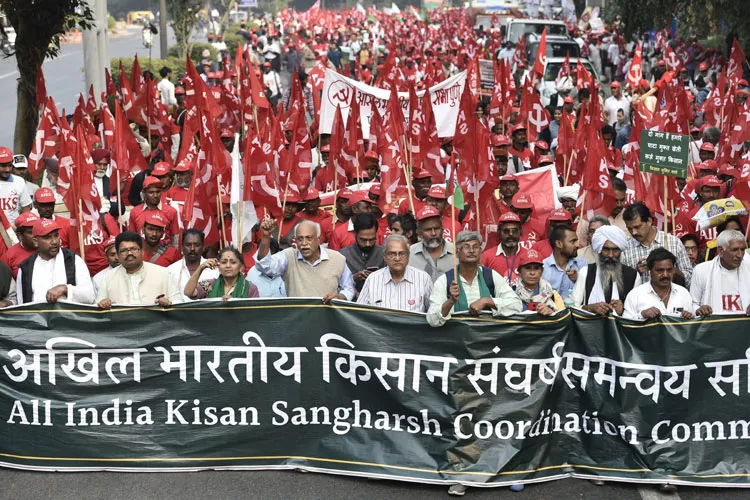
{"x":666,"y":212}
{"x":283,"y":210}
{"x":119,"y":200}
{"x":220,"y":212}
{"x":80,"y":230}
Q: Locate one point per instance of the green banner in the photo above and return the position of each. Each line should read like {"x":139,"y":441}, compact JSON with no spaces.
{"x":370,"y":392}
{"x":664,"y":153}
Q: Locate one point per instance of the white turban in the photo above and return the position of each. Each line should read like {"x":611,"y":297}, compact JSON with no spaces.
{"x":568,"y":192}
{"x":608,"y":233}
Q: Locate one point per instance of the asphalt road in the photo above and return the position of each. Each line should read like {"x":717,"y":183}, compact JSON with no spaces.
{"x":283,"y":485}
{"x":64,"y":76}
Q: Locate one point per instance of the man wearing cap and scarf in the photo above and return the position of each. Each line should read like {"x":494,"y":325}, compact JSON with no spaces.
{"x":476,"y":289}
{"x":26,"y":245}
{"x":151,"y":194}
{"x":532,"y":229}
{"x":557,"y":217}
{"x":503,"y":257}
{"x":421,"y":184}
{"x":102,"y":181}
{"x":432,"y":254}
{"x":568,"y":196}
{"x":438,"y":199}
{"x":21,"y":169}
{"x":312,"y":210}
{"x":520,"y":157}
{"x":603,"y":286}
{"x":615,"y":102}
{"x":44,"y":203}
{"x":14,"y":197}
{"x":341,"y":215}
{"x":53,"y":273}
{"x":343,"y":235}
{"x":155,"y":249}
{"x":111,"y":253}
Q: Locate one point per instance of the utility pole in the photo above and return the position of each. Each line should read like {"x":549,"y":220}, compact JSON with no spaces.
{"x":96,"y":48}
{"x":163,"y":28}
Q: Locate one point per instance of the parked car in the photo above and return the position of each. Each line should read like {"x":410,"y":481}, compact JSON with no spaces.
{"x":548,"y":88}
{"x":557,"y":46}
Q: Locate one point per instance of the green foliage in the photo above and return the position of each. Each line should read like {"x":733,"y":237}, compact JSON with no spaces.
{"x":196,"y":49}
{"x":176,"y":64}
{"x":111,"y":23}
{"x":231,"y":38}
{"x":184,"y":15}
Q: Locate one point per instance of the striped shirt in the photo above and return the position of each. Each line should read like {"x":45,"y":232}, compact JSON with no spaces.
{"x":411,"y":294}
{"x":636,"y":251}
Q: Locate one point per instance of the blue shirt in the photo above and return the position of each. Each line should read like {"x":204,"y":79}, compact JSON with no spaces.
{"x":558,"y":278}
{"x":267,"y":287}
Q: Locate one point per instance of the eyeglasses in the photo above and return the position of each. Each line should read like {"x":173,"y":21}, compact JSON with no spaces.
{"x":396,"y":255}
{"x":125,"y":251}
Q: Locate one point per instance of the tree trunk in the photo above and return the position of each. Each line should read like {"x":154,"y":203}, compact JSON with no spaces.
{"x":28,"y":57}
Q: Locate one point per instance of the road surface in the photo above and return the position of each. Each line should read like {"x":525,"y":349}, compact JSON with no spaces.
{"x":65,"y":77}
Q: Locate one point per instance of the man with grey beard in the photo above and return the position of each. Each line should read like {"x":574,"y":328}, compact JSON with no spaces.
{"x":432,"y":254}
{"x":602,"y":287}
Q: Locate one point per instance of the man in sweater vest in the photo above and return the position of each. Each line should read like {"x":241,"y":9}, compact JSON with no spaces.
{"x":308,"y":270}
{"x":601,"y":288}
{"x":53,"y":273}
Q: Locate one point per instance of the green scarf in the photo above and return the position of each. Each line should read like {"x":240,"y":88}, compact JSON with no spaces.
{"x":239,"y":292}
{"x":484,"y":291}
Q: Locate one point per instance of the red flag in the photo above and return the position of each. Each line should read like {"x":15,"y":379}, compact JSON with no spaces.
{"x":565,"y":147}
{"x":47,"y":139}
{"x":520,"y":54}
{"x":635,"y":74}
{"x":107,"y":126}
{"x":673,"y":62}
{"x":259,"y":98}
{"x":197,"y":93}
{"x":392,"y":163}
{"x":336,"y":165}
{"x":735,"y":63}
{"x":91,"y":106}
{"x":430,"y":143}
{"x":416,"y":129}
{"x":136,"y":76}
{"x":41,"y":88}
{"x":260,"y":181}
{"x":111,"y":89}
{"x":299,"y":159}
{"x":354,"y":143}
{"x":541,"y":56}
{"x":126,"y":91}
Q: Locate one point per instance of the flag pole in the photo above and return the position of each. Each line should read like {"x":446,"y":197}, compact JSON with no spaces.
{"x":666,"y":212}
{"x":219,"y":211}
{"x":119,"y":201}
{"x":476,"y":200}
{"x":283,"y":210}
{"x":80,"y":231}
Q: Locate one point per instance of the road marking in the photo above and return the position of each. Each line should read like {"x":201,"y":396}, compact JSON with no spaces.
{"x":14,"y":73}
{"x":652,"y":493}
{"x":8,"y":74}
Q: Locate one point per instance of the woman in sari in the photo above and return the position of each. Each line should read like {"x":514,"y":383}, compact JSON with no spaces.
{"x":230,"y":284}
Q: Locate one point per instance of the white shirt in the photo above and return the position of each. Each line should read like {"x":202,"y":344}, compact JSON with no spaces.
{"x":505,"y":299}
{"x":731,"y":299}
{"x":100,"y":277}
{"x":13,"y":197}
{"x":48,"y":274}
{"x":611,"y":105}
{"x":166,"y":88}
{"x":644,"y":297}
{"x":273,"y":82}
{"x":579,"y":290}
{"x":180,"y":274}
{"x":411,"y":294}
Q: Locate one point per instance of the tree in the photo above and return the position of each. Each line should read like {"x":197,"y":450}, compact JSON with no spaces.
{"x":39,"y":25}
{"x":184,"y":15}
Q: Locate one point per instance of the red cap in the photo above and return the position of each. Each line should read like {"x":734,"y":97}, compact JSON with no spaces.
{"x":345,"y":193}
{"x":707,"y":146}
{"x":694,"y":129}
{"x":545,"y":160}
{"x":517,"y":127}
{"x":156,"y":218}
{"x":508,"y":217}
{"x":427,"y":212}
{"x":27,"y":219}
{"x":226,"y":133}
{"x":614,"y":84}
{"x":530,"y":257}
{"x":44,"y":195}
{"x":560,"y":214}
{"x":661,"y":62}
{"x":500,"y":140}
{"x":6,"y":155}
{"x":710,"y":165}
{"x":100,"y":154}
{"x":152,"y":181}
{"x":541,"y":145}
{"x":311,"y":194}
{"x":359,"y":196}
{"x":179,"y":91}
{"x":702,"y":66}
{"x":437,"y":192}
{"x":521,"y":201}
{"x":266,"y":64}
{"x":292,"y":196}
{"x":183,"y":166}
{"x":711,"y":181}
{"x":568,"y":100}
{"x":727,"y":169}
{"x":421,"y":174}
{"x":375,"y":189}
{"x":45,"y":226}
{"x":372,"y":154}
{"x":325,"y":149}
{"x":108,"y":242}
{"x":161,"y":168}
{"x":509,"y":178}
